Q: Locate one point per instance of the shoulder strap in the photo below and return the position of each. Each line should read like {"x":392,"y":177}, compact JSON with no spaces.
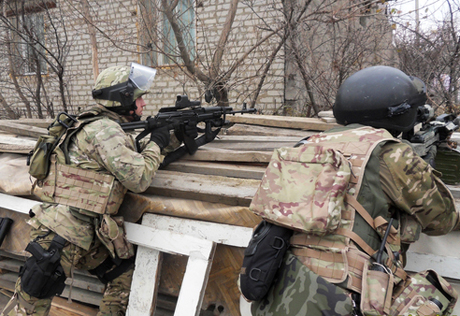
{"x":82,"y":119}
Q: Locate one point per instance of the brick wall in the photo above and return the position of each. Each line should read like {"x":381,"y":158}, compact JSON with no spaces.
{"x":119,"y":19}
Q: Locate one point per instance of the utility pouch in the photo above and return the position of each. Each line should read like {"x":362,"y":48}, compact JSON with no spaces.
{"x":262,"y":259}
{"x":38,"y":159}
{"x":42,"y":275}
{"x":112,"y":234}
{"x":377,"y":290}
{"x":425,"y":293}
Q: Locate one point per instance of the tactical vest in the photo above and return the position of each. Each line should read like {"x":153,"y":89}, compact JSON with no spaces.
{"x":340,"y":257}
{"x":88,"y":190}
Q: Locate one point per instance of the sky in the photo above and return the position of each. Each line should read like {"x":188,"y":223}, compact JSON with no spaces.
{"x":430,"y":11}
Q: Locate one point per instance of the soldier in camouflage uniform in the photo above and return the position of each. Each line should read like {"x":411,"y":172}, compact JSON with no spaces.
{"x":94,"y":237}
{"x":334,"y":273}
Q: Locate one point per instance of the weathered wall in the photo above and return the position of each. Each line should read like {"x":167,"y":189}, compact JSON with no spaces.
{"x":118,"y":43}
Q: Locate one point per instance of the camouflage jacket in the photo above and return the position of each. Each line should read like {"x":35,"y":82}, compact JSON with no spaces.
{"x":104,"y":147}
{"x":411,"y":187}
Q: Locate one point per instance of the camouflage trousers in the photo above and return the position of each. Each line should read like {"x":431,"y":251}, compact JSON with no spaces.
{"x":116,"y":294}
{"x":300,"y":292}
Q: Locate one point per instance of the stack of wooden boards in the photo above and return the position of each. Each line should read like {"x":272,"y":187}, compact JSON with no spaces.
{"x":216,"y":185}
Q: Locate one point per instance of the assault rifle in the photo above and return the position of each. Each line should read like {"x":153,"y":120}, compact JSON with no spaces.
{"x":185,"y":112}
{"x":437,"y":132}
{"x":434,"y":131}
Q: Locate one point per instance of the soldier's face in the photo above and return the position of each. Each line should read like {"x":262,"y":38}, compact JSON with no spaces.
{"x":140,"y":104}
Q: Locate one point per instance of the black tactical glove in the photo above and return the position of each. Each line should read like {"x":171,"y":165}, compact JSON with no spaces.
{"x":160,"y":136}
{"x":191,"y":130}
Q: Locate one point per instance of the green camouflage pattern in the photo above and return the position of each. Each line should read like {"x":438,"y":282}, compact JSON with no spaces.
{"x":376,"y":292}
{"x":22,"y":304}
{"x":110,"y":77}
{"x":116,"y":296}
{"x":416,"y":294}
{"x":415,"y":188}
{"x":303,"y":188}
{"x":115,"y":299}
{"x":410,"y":229}
{"x":298,"y":291}
{"x":404,"y":183}
{"x":113,"y":76}
{"x":85,"y":189}
{"x":100,"y":146}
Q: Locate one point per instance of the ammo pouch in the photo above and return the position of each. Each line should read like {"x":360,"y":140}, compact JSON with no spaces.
{"x":111,"y":233}
{"x":42,"y":275}
{"x":425,"y":293}
{"x":262,"y":259}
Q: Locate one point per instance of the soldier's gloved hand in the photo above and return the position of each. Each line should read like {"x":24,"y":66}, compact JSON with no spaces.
{"x":160,"y":136}
{"x":191,"y":130}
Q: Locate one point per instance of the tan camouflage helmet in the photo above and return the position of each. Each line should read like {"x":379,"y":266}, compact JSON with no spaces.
{"x":111,"y":77}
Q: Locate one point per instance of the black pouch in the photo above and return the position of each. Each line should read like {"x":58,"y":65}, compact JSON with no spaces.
{"x":42,"y":275}
{"x":262,"y":259}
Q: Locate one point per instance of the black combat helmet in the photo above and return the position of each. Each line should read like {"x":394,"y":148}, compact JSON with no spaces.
{"x":382,"y":97}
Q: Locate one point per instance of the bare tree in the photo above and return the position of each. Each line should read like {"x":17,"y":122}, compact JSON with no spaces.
{"x":30,"y":55}
{"x":330,"y":41}
{"x":433,"y":56}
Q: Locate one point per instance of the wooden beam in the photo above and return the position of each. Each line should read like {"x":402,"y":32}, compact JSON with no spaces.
{"x":144,"y":287}
{"x":218,"y":169}
{"x":214,"y":154}
{"x":17,"y":204}
{"x":246,"y":129}
{"x":43,"y":123}
{"x":217,"y":189}
{"x":220,"y":233}
{"x":200,"y":253}
{"x":15,"y":144}
{"x":167,"y":241}
{"x":21,"y":129}
{"x":305,"y":123}
{"x":252,"y":142}
{"x":60,"y":305}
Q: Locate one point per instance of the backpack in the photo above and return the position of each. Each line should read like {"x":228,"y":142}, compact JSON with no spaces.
{"x":59,"y":133}
{"x":38,"y":159}
{"x":304,"y":189}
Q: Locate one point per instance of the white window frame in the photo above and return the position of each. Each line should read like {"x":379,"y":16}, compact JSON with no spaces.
{"x":155,"y":20}
{"x":24,"y":49}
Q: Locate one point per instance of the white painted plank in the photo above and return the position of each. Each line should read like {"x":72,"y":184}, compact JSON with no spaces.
{"x":220,"y":233}
{"x":245,"y":307}
{"x":143,"y":290}
{"x":169,"y":242}
{"x":193,"y":286}
{"x":444,"y":265}
{"x":16,"y":204}
{"x":445,"y":245}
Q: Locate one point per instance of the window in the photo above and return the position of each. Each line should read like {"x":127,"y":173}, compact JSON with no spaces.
{"x":28,"y":36}
{"x":158,"y":35}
